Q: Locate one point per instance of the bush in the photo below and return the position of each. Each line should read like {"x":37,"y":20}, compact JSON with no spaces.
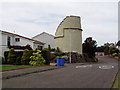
{"x":58,"y":49}
{"x":17,"y":54}
{"x":11,"y":56}
{"x":37,"y":59}
{"x":49,"y":48}
{"x":113,"y":50}
{"x":26,"y":57}
{"x":18,"y":61}
{"x":94,"y":59}
{"x":6,"y":57}
{"x":1,"y":60}
{"x":89,"y":59}
{"x":52,"y":57}
{"x":46,"y":55}
{"x":115,"y":54}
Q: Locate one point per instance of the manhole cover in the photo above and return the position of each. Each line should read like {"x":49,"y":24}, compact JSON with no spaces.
{"x":106,"y":67}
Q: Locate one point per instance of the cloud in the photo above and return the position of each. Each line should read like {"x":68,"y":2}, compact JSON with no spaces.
{"x":97,"y":19}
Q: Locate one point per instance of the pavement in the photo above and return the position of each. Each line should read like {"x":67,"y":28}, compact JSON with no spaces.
{"x":89,"y":75}
{"x":21,"y":72}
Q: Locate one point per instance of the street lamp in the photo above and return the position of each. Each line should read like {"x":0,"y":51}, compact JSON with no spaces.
{"x":70,"y":43}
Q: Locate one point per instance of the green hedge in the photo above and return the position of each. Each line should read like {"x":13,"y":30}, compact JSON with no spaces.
{"x":18,"y":55}
{"x":45,"y":53}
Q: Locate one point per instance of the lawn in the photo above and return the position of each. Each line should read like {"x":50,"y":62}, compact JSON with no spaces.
{"x":117,"y":81}
{"x":12,"y":67}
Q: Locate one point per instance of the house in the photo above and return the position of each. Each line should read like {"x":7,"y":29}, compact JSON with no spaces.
{"x":68,"y":36}
{"x":118,"y":44}
{"x":48,"y":39}
{"x":8,"y":39}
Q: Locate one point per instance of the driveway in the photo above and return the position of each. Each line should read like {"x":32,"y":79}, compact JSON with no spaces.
{"x":92,"y":75}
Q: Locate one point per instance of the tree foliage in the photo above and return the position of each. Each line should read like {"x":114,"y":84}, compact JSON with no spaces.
{"x":100,"y":49}
{"x":25,"y":57}
{"x":11,"y":56}
{"x":89,"y":47}
{"x":113,"y":50}
{"x":37,"y":59}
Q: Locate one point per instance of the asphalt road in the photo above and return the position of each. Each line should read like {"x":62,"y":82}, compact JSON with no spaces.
{"x":94,"y":75}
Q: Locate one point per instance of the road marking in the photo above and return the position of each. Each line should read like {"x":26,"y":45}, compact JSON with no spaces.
{"x":106,"y":67}
{"x":83,"y":66}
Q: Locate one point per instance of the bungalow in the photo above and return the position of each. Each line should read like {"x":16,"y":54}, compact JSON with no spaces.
{"x":8,"y":40}
{"x":47,"y":38}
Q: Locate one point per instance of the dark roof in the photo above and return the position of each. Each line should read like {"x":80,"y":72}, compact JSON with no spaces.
{"x":118,"y":43}
{"x":21,"y":36}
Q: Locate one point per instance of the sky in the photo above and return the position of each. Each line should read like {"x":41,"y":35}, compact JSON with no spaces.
{"x":99,"y":19}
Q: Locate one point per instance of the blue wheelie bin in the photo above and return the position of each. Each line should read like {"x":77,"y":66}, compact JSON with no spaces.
{"x":62,"y":60}
{"x":57,"y":61}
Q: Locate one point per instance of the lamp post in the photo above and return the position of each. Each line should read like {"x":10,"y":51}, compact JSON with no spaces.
{"x":70,"y":44}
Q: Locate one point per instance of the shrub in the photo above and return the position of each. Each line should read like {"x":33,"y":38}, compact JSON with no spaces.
{"x":18,"y":57}
{"x":1,"y":60}
{"x":113,"y":50}
{"x":58,"y":49}
{"x":6,"y":57}
{"x":46,"y":55}
{"x":53,"y":49}
{"x":49,"y":48}
{"x":25,"y":57}
{"x":37,"y":59}
{"x":115,"y":54}
{"x":11,"y":56}
{"x":52,"y":57}
{"x":94,"y":59}
{"x":89,"y":59}
{"x":18,"y":60}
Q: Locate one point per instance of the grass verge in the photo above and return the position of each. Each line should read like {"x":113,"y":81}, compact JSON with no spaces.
{"x":7,"y":67}
{"x":117,"y":81}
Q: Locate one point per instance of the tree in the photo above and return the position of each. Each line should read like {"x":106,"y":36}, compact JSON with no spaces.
{"x":100,"y":49}
{"x":46,"y":55}
{"x":58,"y":49}
{"x":25,"y":57}
{"x":106,"y":48}
{"x":28,"y":47}
{"x":11,"y":56}
{"x":113,"y":50}
{"x":49,"y":48}
{"x":89,"y":47}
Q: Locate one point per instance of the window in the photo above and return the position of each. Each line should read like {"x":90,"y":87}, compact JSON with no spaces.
{"x":40,"y":47}
{"x":8,"y":40}
{"x":17,"y":39}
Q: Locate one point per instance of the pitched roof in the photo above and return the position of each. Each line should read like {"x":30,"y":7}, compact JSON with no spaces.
{"x":22,"y":37}
{"x":118,"y":43}
{"x":44,"y":33}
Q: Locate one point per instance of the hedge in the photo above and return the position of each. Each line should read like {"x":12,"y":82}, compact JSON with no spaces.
{"x":45,"y":53}
{"x":18,"y":55}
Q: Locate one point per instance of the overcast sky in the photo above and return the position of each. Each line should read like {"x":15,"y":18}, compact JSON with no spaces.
{"x":98,"y":19}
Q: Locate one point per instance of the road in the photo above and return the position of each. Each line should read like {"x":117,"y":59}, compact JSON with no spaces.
{"x":93,"y":75}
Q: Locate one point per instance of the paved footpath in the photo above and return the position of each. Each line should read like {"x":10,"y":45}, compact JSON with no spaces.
{"x":93,"y":75}
{"x":21,"y":72}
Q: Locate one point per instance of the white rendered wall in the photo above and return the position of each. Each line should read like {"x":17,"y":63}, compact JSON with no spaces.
{"x":23,"y":42}
{"x":47,"y":39}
